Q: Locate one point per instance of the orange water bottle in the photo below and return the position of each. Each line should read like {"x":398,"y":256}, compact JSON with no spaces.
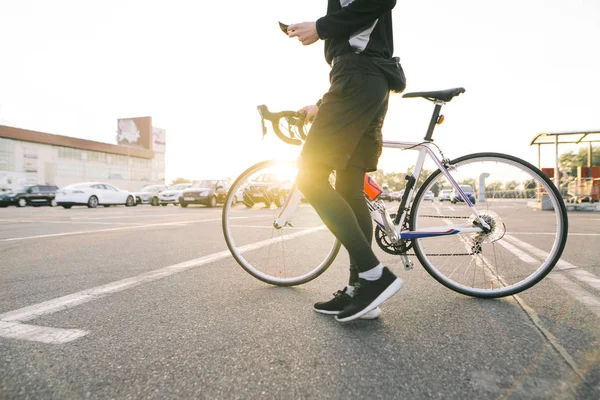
{"x":371,"y":188}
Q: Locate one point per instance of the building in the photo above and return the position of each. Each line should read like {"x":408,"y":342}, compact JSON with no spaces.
{"x":30,"y":157}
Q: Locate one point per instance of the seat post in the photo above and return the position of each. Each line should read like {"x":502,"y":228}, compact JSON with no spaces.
{"x":434,"y":120}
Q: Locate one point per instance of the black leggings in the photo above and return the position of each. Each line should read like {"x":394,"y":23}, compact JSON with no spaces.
{"x":343,"y":210}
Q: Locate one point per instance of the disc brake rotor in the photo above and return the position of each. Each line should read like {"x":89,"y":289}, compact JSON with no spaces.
{"x":497,"y":227}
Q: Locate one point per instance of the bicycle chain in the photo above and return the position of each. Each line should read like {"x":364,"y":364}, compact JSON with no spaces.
{"x":445,"y":255}
{"x":402,"y":248}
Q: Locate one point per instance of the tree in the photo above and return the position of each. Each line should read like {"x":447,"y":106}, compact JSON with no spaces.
{"x":396,"y":180}
{"x":424,"y":175}
{"x":180,"y":180}
{"x":530,"y":184}
{"x":511,"y":185}
{"x":495,"y":186}
{"x":571,"y":160}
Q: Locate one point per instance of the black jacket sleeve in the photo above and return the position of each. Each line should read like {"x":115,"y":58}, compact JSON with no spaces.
{"x":351,"y":19}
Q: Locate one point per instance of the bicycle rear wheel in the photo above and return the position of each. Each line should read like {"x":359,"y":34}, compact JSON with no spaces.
{"x":523,"y":207}
{"x":291,"y":255}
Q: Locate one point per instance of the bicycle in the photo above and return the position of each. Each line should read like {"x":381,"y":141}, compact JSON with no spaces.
{"x":477,"y":244}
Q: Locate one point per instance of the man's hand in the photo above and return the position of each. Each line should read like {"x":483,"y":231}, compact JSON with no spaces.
{"x":306,"y":32}
{"x":311,"y":112}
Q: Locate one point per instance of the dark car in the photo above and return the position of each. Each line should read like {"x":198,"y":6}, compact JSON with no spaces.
{"x":467,"y":189}
{"x":267,"y":189}
{"x":208,"y":192}
{"x":36,"y":195}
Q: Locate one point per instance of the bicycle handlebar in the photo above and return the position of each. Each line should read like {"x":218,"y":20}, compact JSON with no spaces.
{"x":293,"y":118}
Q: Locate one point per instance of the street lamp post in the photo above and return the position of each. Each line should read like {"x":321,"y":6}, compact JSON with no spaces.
{"x":482,"y":186}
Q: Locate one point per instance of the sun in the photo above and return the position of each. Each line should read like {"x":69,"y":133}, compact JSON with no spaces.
{"x":286,"y":171}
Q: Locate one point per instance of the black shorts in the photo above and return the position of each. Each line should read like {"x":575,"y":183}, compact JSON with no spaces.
{"x":347,"y":128}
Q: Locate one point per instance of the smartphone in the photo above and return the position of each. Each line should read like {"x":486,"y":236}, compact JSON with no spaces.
{"x":283,"y":27}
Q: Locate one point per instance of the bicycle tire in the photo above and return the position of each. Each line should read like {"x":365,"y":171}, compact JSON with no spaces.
{"x":302,"y":266}
{"x":518,"y":255}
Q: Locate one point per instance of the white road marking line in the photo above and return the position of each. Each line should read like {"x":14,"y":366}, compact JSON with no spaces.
{"x":94,"y":231}
{"x":22,"y":331}
{"x":579,"y":293}
{"x":178,"y":223}
{"x":582,"y":296}
{"x":521,"y":254}
{"x":126,"y":216}
{"x":271,"y":227}
{"x":88,"y":222}
{"x":562,"y":265}
{"x":15,"y":330}
{"x":554,"y":234}
{"x":585,"y":277}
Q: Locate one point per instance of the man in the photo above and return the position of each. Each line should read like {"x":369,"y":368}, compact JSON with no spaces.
{"x":346,"y":137}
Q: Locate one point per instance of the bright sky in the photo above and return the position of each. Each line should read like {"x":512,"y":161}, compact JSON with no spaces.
{"x":200,"y":69}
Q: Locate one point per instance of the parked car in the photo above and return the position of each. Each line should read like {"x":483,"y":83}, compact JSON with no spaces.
{"x":172,"y":194}
{"x":209,"y":192}
{"x":266,"y":188}
{"x":398,"y":195}
{"x":467,"y":189}
{"x":36,"y":195}
{"x":387,"y":193}
{"x":149,"y":194}
{"x":428,"y":195}
{"x":93,"y":194}
{"x":445,"y":195}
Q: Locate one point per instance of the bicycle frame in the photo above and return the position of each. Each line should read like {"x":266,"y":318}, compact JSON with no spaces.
{"x":379,"y":212}
{"x":424,"y":149}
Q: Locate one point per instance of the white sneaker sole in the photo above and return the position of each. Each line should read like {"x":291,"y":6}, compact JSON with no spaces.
{"x":374,"y":313}
{"x":326,"y":312}
{"x":391,"y":290}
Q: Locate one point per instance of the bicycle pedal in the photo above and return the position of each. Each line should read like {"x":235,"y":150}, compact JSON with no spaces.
{"x":409,"y":265}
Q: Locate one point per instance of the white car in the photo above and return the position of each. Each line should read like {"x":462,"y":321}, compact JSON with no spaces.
{"x":398,"y":195}
{"x":428,"y":195}
{"x":149,"y":194}
{"x":445,"y":195}
{"x":171,"y":195}
{"x":93,"y":194}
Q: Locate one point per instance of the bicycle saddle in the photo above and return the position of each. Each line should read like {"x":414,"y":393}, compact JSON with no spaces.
{"x":441,"y":95}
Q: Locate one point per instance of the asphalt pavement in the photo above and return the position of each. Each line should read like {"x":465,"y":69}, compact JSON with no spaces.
{"x":146,"y":302}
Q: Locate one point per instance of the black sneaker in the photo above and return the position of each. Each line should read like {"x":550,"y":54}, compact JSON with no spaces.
{"x":340,"y":300}
{"x":332,"y":307}
{"x":368,"y":295}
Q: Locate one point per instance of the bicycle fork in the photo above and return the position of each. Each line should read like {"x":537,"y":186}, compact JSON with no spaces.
{"x":289,"y":209}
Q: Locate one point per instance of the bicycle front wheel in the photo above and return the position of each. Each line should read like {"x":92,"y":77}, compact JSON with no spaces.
{"x":290,"y":255}
{"x":528,"y":223}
